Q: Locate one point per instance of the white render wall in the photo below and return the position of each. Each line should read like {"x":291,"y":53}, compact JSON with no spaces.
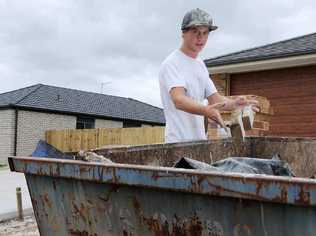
{"x":99,"y":123}
{"x":7,"y":123}
{"x":32,"y":126}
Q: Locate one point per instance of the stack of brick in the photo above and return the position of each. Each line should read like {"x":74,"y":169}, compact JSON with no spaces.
{"x":261,"y":123}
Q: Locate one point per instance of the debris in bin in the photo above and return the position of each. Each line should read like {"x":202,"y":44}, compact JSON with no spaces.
{"x":273,"y":166}
{"x":188,"y":163}
{"x":44,"y":149}
{"x":92,"y":157}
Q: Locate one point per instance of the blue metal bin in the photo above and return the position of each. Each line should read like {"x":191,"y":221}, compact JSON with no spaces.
{"x":78,"y":198}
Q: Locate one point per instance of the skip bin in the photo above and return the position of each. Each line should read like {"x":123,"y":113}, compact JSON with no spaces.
{"x":78,"y":198}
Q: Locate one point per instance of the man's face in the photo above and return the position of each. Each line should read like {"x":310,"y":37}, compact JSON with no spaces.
{"x":195,"y":38}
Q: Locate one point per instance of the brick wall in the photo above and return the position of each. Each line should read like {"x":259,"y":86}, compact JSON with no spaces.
{"x":221,"y":82}
{"x":292,"y":95}
{"x":32,"y":126}
{"x":7,"y":123}
{"x":99,"y":123}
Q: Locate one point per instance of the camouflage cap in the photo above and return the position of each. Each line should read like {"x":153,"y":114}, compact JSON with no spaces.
{"x":197,"y":17}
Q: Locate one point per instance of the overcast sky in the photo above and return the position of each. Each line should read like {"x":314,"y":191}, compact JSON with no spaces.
{"x":81,"y":44}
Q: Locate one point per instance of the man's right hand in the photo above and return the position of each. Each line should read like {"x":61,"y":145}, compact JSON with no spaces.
{"x":212,"y":112}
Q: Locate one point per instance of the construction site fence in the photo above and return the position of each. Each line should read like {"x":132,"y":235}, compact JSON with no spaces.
{"x":73,"y":140}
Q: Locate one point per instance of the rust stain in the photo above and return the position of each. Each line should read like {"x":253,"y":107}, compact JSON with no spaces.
{"x":138,"y":210}
{"x":84,"y":168}
{"x":178,"y":227}
{"x":247,"y":229}
{"x":259,"y":186}
{"x":125,"y":233}
{"x":46,"y":200}
{"x":201,"y":179}
{"x":196,"y":183}
{"x":159,"y":225}
{"x":80,"y":211}
{"x":304,"y":197}
{"x":113,"y":188}
{"x":115,"y":179}
{"x":284,"y":193}
{"x":187,"y":226}
{"x":195,"y":226}
{"x":136,"y":204}
{"x":157,"y":175}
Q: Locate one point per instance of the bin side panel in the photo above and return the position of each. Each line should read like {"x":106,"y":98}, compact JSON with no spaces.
{"x":167,"y":154}
{"x":299,"y":153}
{"x":75,"y":207}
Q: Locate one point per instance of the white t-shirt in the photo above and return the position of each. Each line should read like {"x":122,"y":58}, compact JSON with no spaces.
{"x":180,"y":70}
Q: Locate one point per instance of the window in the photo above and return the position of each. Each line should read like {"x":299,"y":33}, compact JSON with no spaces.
{"x":85,"y":123}
{"x":130,"y":124}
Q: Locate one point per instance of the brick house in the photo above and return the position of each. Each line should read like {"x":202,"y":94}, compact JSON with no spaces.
{"x":25,"y":115}
{"x":284,"y":72}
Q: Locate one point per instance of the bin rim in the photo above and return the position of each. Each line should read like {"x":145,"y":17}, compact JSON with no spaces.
{"x":279,"y":189}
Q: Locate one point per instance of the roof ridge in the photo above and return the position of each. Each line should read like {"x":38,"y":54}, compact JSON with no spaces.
{"x":20,"y":89}
{"x":35,"y":89}
{"x":262,"y":46}
{"x":102,"y":94}
{"x":145,"y":103}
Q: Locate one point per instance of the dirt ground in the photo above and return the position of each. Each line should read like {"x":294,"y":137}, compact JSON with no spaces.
{"x":27,"y":227}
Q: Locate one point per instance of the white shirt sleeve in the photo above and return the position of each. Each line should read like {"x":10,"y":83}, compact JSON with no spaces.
{"x":171,"y":77}
{"x":210,"y":88}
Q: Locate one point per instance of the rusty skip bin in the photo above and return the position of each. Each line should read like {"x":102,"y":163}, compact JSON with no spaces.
{"x":78,"y":198}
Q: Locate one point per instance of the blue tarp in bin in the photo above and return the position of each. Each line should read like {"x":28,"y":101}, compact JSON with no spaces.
{"x":43,"y":149}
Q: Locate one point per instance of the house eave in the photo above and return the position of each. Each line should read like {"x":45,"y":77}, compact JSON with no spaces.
{"x":269,"y":64}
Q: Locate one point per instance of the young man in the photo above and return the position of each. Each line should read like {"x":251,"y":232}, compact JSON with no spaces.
{"x":184,"y":84}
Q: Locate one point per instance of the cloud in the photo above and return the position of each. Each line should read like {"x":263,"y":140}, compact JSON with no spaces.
{"x":82,"y":44}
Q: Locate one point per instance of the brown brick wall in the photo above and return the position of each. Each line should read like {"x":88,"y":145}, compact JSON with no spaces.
{"x":221,"y":82}
{"x":292,"y":94}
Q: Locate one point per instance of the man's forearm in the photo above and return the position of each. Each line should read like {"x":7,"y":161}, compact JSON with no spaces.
{"x":187,"y":104}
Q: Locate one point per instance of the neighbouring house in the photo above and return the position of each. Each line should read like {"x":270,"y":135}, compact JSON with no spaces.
{"x":284,"y":72}
{"x":26,"y":113}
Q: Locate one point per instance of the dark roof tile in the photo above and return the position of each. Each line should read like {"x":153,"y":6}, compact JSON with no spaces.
{"x":302,"y":45}
{"x":65,"y":100}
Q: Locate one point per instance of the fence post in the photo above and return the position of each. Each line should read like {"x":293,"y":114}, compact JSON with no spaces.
{"x":19,"y":203}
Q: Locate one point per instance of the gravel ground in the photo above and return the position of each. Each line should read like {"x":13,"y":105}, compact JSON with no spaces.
{"x":27,"y":227}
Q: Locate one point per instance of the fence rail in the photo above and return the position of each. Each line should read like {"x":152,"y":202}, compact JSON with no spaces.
{"x":73,"y":140}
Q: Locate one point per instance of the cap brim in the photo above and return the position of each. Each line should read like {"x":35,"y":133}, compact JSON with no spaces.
{"x":213,"y":27}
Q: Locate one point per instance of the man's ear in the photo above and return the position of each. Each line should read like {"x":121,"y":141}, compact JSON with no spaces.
{"x":184,"y":31}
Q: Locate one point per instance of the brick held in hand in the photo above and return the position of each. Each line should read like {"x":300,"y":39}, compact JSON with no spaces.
{"x":248,"y":118}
